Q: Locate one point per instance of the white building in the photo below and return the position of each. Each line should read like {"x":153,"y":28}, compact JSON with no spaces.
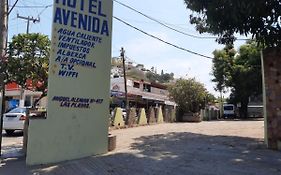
{"x":149,"y":93}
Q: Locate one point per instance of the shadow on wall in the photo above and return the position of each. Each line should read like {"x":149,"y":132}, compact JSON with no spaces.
{"x":173,"y":153}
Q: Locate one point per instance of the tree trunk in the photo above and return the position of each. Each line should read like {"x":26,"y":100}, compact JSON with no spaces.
{"x":244,"y":108}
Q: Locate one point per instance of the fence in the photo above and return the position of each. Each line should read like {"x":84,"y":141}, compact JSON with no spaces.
{"x":209,"y":114}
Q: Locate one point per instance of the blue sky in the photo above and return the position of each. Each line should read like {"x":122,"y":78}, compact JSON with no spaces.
{"x":139,"y":47}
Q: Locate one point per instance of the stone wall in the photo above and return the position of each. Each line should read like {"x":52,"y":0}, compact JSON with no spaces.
{"x":272,"y":101}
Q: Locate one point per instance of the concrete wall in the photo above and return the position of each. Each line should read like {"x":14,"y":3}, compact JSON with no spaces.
{"x":72,"y":131}
{"x":159,"y":91}
{"x":69,"y":136}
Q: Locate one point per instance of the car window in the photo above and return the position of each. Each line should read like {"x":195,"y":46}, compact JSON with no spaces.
{"x":228,"y":107}
{"x":18,"y":110}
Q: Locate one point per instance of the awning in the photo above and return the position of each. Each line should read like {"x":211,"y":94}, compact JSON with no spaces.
{"x":171,"y":103}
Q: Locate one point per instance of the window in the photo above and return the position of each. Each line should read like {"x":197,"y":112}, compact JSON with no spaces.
{"x":27,"y":101}
{"x":228,"y":107}
{"x":146,"y":88}
{"x":18,"y":110}
{"x":136,"y":85}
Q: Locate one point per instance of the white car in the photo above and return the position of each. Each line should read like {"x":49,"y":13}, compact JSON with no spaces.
{"x":14,"y":120}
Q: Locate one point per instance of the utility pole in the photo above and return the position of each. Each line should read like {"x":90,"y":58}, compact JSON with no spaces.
{"x":28,"y":19}
{"x":125,"y":80}
{"x":3,"y":45}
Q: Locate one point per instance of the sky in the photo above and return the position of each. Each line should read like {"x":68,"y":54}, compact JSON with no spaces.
{"x":139,"y":47}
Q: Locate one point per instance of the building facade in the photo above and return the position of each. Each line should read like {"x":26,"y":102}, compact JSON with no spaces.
{"x":15,"y":96}
{"x":140,"y":93}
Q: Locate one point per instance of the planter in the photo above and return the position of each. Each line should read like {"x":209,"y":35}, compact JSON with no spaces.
{"x":111,"y":142}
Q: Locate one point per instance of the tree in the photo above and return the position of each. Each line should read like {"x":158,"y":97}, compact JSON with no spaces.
{"x":28,"y":62}
{"x":246,"y":78}
{"x":189,"y":94}
{"x":166,"y":77}
{"x":224,"y":18}
{"x":161,"y":78}
{"x":152,"y":77}
{"x":241,"y":72}
{"x":135,"y":74}
{"x":262,"y":19}
{"x":221,"y":69}
{"x":222,"y":66}
{"x":210,"y":98}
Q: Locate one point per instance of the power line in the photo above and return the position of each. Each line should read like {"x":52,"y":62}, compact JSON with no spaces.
{"x":47,"y":6}
{"x":155,"y":37}
{"x":33,"y":6}
{"x":13,"y":6}
{"x":165,"y":25}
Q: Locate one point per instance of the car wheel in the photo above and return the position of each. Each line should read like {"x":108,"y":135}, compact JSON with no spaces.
{"x":9,"y":131}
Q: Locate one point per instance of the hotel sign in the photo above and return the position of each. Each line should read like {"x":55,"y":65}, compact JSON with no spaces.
{"x":78,"y":84}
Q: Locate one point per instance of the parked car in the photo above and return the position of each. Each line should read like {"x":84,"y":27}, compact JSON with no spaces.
{"x":14,"y":120}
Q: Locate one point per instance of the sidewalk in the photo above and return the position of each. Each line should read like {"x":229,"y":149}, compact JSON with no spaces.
{"x":219,"y":147}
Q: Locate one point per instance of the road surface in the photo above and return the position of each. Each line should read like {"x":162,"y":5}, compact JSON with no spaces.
{"x":214,"y":148}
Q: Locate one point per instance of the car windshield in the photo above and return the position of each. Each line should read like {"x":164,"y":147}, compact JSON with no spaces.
{"x":18,"y":110}
{"x":228,"y":107}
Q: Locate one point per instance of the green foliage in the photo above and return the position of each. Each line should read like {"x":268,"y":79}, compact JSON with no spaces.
{"x":29,"y":60}
{"x":241,"y":72}
{"x":222,"y":64}
{"x":210,"y":98}
{"x":136,"y":74}
{"x":224,"y":18}
{"x":116,"y":62}
{"x":152,"y":77}
{"x":189,"y":94}
{"x":160,"y":78}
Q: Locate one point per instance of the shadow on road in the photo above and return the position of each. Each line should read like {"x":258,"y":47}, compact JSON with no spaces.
{"x":173,"y":153}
